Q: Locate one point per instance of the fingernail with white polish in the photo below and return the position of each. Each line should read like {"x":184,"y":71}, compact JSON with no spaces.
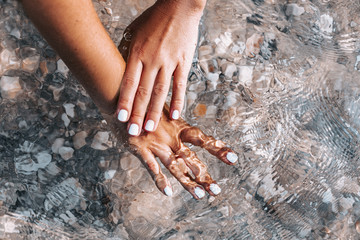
{"x":232,"y":157}
{"x":215,"y":189}
{"x":134,"y":129}
{"x":122,"y":116}
{"x":150,"y":125}
{"x":199,"y":192}
{"x":168,"y":191}
{"x":175,"y":115}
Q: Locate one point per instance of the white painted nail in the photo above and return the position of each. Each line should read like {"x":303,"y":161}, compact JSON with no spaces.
{"x":134,"y":129}
{"x":232,"y":157}
{"x":168,"y":191}
{"x":199,"y":192}
{"x":175,"y":115}
{"x":122,"y":116}
{"x":215,"y":189}
{"x":150,"y":125}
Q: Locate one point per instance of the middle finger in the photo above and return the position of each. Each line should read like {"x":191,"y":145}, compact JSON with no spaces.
{"x":141,"y":100}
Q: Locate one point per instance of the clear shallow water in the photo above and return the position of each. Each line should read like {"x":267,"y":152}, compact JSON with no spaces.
{"x":288,"y":102}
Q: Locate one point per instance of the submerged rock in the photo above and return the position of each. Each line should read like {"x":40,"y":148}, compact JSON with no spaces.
{"x":10,"y":87}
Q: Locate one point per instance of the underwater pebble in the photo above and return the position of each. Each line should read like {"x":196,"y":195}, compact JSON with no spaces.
{"x":212,"y":81}
{"x":66,"y":152}
{"x":253,"y":45}
{"x":100,"y":141}
{"x":129,"y":161}
{"x":69,"y":109}
{"x":23,"y":124}
{"x":56,"y":91}
{"x":211,"y":111}
{"x":43,"y":68}
{"x":16,"y":33}
{"x":8,"y":60}
{"x":58,"y":143}
{"x":30,"y":64}
{"x":109,"y":174}
{"x":238,"y":48}
{"x":62,"y":68}
{"x":205,"y":50}
{"x":66,"y":120}
{"x":190,"y":98}
{"x":79,"y":140}
{"x":43,"y":159}
{"x":108,"y":11}
{"x":294,"y":10}
{"x":229,"y":69}
{"x":10,"y":87}
{"x":246,"y":75}
{"x":200,"y":110}
{"x":326,"y":23}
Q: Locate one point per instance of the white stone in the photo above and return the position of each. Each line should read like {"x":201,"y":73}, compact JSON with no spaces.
{"x":58,"y":143}
{"x":100,"y":141}
{"x":326,"y":23}
{"x":10,"y":87}
{"x":23,"y":124}
{"x":66,"y":120}
{"x":245,"y":75}
{"x":226,"y":38}
{"x":294,"y":10}
{"x":62,"y":68}
{"x":211,"y":112}
{"x":205,"y":50}
{"x":66,"y":152}
{"x":8,"y":60}
{"x":190,"y":98}
{"x":108,"y":10}
{"x":328,"y":196}
{"x":43,"y":159}
{"x":133,"y":11}
{"x":69,"y":109}
{"x":231,"y":99}
{"x":79,"y":139}
{"x":212,"y":76}
{"x":109,"y":174}
{"x":229,"y":69}
{"x":16,"y":33}
{"x":253,"y":44}
{"x":238,"y":48}
{"x":56,"y":91}
{"x":30,"y":64}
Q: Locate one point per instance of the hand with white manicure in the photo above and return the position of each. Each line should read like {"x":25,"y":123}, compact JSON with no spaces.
{"x":167,"y":143}
{"x":157,"y":45}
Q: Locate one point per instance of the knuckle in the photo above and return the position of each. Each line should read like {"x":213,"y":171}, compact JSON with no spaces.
{"x":136,"y":115}
{"x":123,"y":102}
{"x":129,"y":82}
{"x":142,"y":92}
{"x":160,"y":89}
{"x":177,"y":102}
{"x":180,"y":85}
{"x":138,"y":50}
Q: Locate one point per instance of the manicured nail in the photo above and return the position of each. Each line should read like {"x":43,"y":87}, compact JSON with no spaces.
{"x":199,"y":192}
{"x":122,"y":116}
{"x":215,"y":189}
{"x":168,"y":191}
{"x":134,"y":129}
{"x":232,"y":157}
{"x":150,"y":125}
{"x":175,"y":115}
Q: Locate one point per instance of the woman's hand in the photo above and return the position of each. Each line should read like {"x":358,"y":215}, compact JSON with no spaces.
{"x":159,"y":44}
{"x":167,"y":143}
